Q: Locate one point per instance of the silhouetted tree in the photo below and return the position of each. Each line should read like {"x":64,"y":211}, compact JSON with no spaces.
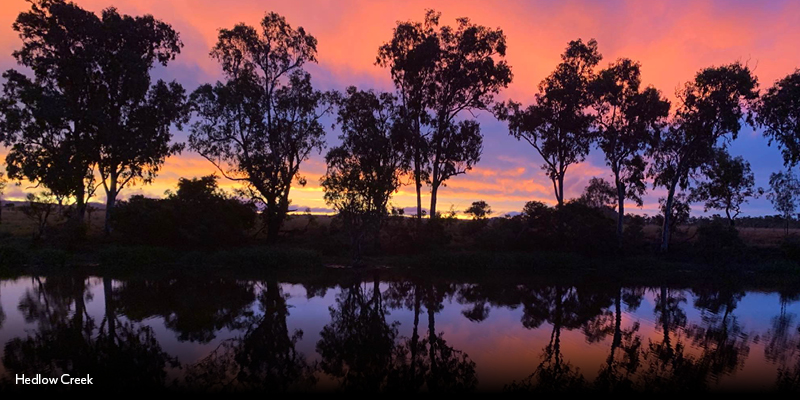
{"x":626,"y":121}
{"x":365,"y":169}
{"x":409,"y":56}
{"x":259,"y":125}
{"x":479,"y":210}
{"x":618,"y":374}
{"x":48,"y":121}
{"x":442,"y":72}
{"x":784,"y":194}
{"x":557,"y":123}
{"x":38,"y":208}
{"x":598,"y":194}
{"x":728,"y":184}
{"x":778,"y":112}
{"x":564,"y":308}
{"x":133,"y":119}
{"x":710,"y":108}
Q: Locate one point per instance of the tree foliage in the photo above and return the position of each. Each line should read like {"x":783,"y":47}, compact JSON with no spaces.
{"x":626,"y":121}
{"x":263,"y":121}
{"x":132,"y":136}
{"x":365,"y":169}
{"x":599,"y":193}
{"x":479,"y":210}
{"x":557,"y":123}
{"x":710,"y":109}
{"x":442,"y":72}
{"x":90,"y":106}
{"x":45,"y":119}
{"x":728,"y":184}
{"x":784,"y":194}
{"x":778,"y":112}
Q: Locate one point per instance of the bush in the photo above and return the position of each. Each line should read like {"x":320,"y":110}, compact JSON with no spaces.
{"x":199,"y":214}
{"x":718,"y":243}
{"x":584,"y":229}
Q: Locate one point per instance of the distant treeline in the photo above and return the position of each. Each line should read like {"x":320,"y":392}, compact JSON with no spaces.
{"x":89,"y":116}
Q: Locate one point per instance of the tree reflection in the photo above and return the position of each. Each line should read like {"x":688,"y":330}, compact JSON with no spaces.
{"x":264,"y":358}
{"x":564,"y":308}
{"x":725,"y":344}
{"x":357,"y":346}
{"x":669,"y":368}
{"x":624,"y":359}
{"x":196,"y":308}
{"x":118,"y":355}
{"x":783,"y":345}
{"x":365,"y":352}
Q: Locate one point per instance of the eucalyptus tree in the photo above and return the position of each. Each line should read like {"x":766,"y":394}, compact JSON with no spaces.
{"x":784,"y":194}
{"x":366,"y":168}
{"x":90,"y":107}
{"x":625,"y":123}
{"x":134,"y":118}
{"x":558,"y":122}
{"x":263,"y":121}
{"x":778,"y":112}
{"x":729,"y":183}
{"x":45,"y":119}
{"x":708,"y":114}
{"x":443,"y":72}
{"x":479,"y":210}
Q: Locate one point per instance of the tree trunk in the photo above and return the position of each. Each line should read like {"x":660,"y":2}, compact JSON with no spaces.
{"x":434,"y":192}
{"x":418,"y":184}
{"x":273,"y":221}
{"x":111,"y":201}
{"x":620,"y":212}
{"x":80,"y":206}
{"x":665,"y":231}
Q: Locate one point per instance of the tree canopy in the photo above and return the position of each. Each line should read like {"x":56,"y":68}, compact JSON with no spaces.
{"x":263,"y":121}
{"x":557,"y":123}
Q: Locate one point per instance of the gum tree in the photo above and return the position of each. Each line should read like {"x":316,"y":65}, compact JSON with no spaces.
{"x":708,"y":114}
{"x":626,"y":121}
{"x":443,"y":72}
{"x":263,"y":121}
{"x":365,"y":169}
{"x":557,"y":124}
{"x":132,"y":136}
{"x":729,"y":183}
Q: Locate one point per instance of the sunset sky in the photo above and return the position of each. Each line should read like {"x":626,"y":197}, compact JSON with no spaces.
{"x":672,"y":40}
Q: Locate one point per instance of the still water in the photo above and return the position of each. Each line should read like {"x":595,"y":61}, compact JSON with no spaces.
{"x":397,"y":334}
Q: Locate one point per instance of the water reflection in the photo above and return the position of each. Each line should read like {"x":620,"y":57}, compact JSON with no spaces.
{"x":67,"y":339}
{"x":384,"y":333}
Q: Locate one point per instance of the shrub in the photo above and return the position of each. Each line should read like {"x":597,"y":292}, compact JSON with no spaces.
{"x":199,"y":214}
{"x":718,"y":243}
